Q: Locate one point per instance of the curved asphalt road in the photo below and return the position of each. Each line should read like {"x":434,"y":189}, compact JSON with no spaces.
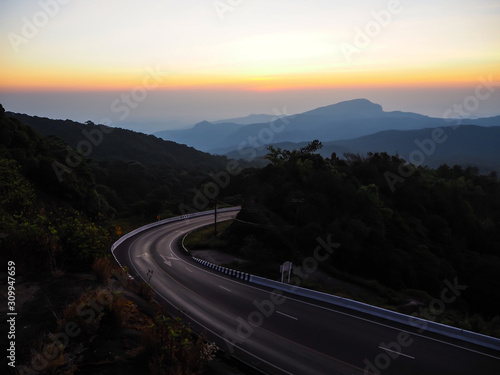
{"x":281,"y":334}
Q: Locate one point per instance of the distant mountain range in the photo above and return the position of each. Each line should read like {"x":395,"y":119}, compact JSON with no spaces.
{"x":356,"y":126}
{"x":247,"y":120}
{"x":466,"y":145}
{"x":345,"y":120}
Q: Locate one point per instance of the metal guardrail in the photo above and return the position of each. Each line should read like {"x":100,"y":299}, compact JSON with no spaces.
{"x":163,"y":222}
{"x":448,"y":331}
{"x":228,"y":271}
{"x":412,"y":321}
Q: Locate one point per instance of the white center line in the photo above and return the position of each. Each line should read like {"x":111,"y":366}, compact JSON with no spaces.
{"x":220,"y":286}
{"x":288,"y":316}
{"x":398,"y":353}
{"x":189,"y":269}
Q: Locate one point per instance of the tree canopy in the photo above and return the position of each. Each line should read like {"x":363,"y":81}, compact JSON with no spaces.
{"x":434,"y":225}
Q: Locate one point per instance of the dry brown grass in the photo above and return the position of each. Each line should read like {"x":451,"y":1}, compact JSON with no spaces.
{"x":174,"y":349}
{"x":103,"y":268}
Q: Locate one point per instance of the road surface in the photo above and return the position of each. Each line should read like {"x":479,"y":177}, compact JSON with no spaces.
{"x":286,"y":334}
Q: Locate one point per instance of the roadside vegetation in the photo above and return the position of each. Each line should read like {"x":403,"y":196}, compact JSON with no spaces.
{"x":206,"y":237}
{"x":78,"y":312}
{"x":397,"y":246}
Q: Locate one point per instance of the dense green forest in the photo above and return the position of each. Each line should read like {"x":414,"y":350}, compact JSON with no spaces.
{"x":137,"y":174}
{"x":431,"y":226}
{"x":59,"y":231}
{"x":46,"y":222}
{"x":53,"y":193}
{"x":108,"y":143}
{"x":407,"y":233}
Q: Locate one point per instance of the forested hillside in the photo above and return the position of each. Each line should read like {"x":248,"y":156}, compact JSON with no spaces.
{"x":46,"y":222}
{"x":58,"y":203}
{"x":137,"y":174}
{"x":407,"y":233}
{"x":406,"y":228}
{"x":121,"y":144}
{"x":56,"y":229}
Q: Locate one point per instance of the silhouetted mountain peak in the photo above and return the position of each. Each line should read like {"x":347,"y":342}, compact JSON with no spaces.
{"x":202,"y":125}
{"x":356,"y":107}
{"x":247,"y":120}
{"x":345,"y":120}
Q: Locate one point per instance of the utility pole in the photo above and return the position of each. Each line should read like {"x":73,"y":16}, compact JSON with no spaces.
{"x":215,"y":219}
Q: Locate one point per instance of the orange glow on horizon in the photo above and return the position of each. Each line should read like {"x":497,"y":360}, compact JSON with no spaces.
{"x":88,"y":80}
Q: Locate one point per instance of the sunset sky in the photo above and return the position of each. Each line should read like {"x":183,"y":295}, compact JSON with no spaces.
{"x":213,"y":60}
